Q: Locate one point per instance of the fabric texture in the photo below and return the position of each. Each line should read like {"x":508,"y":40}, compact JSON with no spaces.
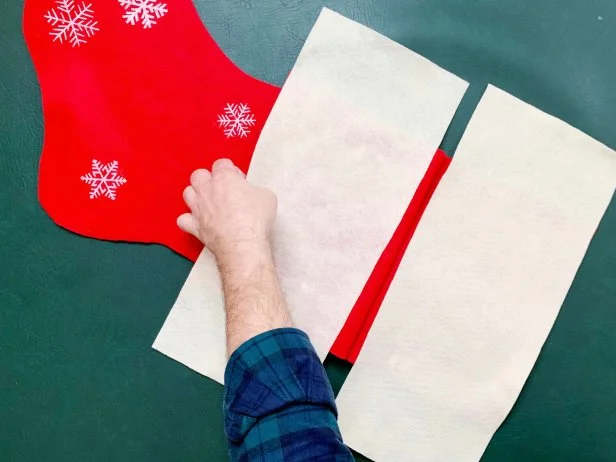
{"x":362,"y":117}
{"x":461,"y":327}
{"x":279,"y":405}
{"x":136,"y":95}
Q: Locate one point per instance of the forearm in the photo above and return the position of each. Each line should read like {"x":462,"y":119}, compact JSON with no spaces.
{"x":279,"y":404}
{"x":254,"y":301}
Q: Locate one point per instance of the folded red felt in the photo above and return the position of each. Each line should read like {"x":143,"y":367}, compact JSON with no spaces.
{"x":353,"y":334}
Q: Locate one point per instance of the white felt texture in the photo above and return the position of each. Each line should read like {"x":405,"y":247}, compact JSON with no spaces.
{"x":345,"y":147}
{"x":479,"y":287}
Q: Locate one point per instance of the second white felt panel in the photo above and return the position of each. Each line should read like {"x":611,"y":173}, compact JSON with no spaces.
{"x":479,"y":287}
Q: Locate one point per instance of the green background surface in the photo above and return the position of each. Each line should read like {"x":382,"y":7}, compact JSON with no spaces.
{"x":78,"y":379}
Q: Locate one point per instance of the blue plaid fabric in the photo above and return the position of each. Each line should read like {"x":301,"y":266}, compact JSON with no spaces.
{"x":279,"y":405}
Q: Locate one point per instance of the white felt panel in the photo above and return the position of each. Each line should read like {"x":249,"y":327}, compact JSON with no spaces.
{"x":345,"y":147}
{"x":479,"y":287}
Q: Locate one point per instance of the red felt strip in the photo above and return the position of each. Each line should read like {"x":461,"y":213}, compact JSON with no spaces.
{"x":352,"y":336}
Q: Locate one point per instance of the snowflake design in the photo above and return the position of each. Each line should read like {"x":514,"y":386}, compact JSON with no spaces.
{"x":236,"y":120}
{"x":73,"y":24}
{"x":145,"y":12}
{"x":103,"y":179}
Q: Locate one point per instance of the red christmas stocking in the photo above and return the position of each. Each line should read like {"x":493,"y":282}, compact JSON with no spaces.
{"x":136,"y":95}
{"x":353,"y":335}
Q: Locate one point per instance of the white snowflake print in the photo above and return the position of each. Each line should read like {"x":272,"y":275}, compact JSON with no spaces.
{"x":145,"y":12}
{"x":73,"y":24}
{"x":236,"y":120}
{"x":103,"y":179}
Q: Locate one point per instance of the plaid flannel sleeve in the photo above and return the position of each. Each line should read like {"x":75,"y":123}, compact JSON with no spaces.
{"x":279,"y":405}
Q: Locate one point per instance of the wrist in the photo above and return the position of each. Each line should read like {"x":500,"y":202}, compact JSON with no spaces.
{"x":240,"y":254}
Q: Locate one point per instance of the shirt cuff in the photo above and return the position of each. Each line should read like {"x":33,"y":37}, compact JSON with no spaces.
{"x":270,"y":372}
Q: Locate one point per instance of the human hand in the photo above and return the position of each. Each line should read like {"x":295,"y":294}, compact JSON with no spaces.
{"x":226,"y":212}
